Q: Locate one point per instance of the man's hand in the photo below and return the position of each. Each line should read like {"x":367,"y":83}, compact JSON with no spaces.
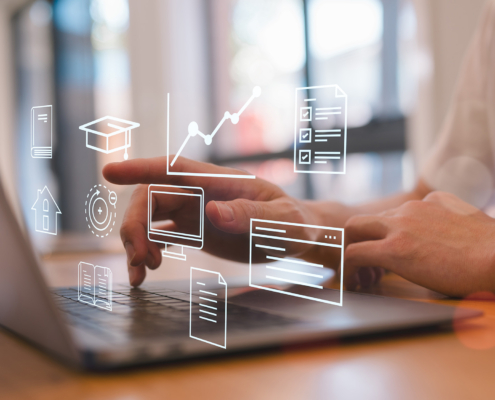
{"x":230,"y":204}
{"x":441,"y":243}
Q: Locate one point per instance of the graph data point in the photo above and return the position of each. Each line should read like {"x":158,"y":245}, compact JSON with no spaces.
{"x":193,"y":128}
{"x":234,"y":118}
{"x":208,"y":140}
{"x":256,"y":91}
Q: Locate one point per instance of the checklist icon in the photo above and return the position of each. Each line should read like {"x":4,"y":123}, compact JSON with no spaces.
{"x":321,"y":130}
{"x":306,"y":113}
{"x":304,"y":156}
{"x":305,"y":135}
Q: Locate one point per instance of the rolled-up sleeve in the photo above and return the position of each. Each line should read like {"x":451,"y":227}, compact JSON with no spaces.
{"x":462,"y":160}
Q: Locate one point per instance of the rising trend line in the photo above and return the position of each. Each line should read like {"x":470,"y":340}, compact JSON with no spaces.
{"x":193,"y":128}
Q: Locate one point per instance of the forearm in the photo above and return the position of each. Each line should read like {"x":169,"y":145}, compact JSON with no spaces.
{"x":327,"y":213}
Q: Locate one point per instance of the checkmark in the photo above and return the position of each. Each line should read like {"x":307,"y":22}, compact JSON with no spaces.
{"x":306,"y":114}
{"x":305,"y":135}
{"x":305,"y":157}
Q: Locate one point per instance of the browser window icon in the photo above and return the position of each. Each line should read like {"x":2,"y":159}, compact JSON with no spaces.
{"x":274,"y":243}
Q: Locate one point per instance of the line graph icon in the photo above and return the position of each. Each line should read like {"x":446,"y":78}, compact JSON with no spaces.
{"x":193,"y":131}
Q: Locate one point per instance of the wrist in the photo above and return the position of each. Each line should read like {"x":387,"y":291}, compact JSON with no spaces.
{"x":328,"y":213}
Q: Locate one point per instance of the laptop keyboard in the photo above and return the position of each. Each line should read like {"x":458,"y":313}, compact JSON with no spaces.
{"x":140,"y":314}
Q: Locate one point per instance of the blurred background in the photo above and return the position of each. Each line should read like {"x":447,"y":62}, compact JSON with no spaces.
{"x":397,"y":60}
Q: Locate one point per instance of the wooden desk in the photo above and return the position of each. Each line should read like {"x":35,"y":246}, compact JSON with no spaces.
{"x":444,"y":364}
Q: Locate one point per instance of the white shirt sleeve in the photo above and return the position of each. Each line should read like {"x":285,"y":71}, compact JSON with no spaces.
{"x":462,"y":160}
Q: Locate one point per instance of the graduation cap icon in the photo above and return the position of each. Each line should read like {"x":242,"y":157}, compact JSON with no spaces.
{"x":109,"y":134}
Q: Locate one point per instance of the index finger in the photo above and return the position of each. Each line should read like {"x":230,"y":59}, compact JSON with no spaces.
{"x":154,"y":170}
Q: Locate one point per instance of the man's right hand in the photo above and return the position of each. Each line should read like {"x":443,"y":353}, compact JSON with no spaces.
{"x":230,"y":205}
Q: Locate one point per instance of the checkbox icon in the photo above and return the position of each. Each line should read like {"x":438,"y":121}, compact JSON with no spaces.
{"x":305,"y":135}
{"x":304,"y":156}
{"x":306,"y":113}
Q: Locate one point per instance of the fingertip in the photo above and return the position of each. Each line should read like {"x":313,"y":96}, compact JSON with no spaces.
{"x":366,"y":277}
{"x":154,"y":256}
{"x":352,"y":281}
{"x":108,"y":170}
{"x":136,"y":275}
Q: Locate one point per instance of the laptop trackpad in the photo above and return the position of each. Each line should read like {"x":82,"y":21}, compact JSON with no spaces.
{"x":305,"y":307}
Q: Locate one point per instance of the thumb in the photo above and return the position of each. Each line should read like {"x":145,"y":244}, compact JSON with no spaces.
{"x":235,"y":216}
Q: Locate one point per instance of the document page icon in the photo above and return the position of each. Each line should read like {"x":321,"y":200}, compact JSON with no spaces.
{"x":320,"y":140}
{"x":271,"y":244}
{"x":95,"y":285}
{"x":41,"y":132}
{"x":208,"y":308}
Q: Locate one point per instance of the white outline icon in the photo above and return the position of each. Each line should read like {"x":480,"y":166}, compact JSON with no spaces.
{"x":294,"y":271}
{"x":100,"y":227}
{"x":118,"y":127}
{"x":193,"y":130}
{"x":41,"y":131}
{"x":317,"y":109}
{"x":94,"y":285}
{"x":46,"y":212}
{"x":209,"y":305}
{"x":169,"y":237}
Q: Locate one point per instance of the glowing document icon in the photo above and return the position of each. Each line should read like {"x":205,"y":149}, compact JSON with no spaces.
{"x":272,"y":241}
{"x":320,"y":139}
{"x":41,"y":132}
{"x":94,"y":285}
{"x":208,"y":308}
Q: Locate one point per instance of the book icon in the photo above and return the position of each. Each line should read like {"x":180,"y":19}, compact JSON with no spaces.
{"x":94,"y":285}
{"x":41,"y":132}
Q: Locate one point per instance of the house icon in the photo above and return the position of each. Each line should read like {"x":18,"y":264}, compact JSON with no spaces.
{"x":46,"y":212}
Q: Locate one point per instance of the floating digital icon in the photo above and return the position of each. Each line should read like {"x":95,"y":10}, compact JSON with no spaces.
{"x":208,"y":307}
{"x":109,"y":134}
{"x":46,"y":212}
{"x":100,"y":209}
{"x":189,"y":222}
{"x":272,"y":242}
{"x":41,"y":132}
{"x":193,"y":131}
{"x":94,"y":285}
{"x":320,"y":139}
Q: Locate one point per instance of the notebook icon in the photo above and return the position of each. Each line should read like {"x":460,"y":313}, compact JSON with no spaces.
{"x":41,"y":132}
{"x":95,"y":285}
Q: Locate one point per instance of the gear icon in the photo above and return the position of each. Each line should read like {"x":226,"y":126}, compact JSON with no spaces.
{"x":99,"y":213}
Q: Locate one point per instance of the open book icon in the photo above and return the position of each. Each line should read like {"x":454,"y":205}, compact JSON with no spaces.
{"x":95,"y":285}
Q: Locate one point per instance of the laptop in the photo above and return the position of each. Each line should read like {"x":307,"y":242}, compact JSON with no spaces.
{"x":152,"y":323}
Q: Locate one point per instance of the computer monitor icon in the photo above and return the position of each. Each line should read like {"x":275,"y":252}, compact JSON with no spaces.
{"x":181,"y":223}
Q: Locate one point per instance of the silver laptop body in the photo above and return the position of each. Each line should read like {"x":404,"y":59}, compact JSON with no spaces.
{"x":151,"y":324}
